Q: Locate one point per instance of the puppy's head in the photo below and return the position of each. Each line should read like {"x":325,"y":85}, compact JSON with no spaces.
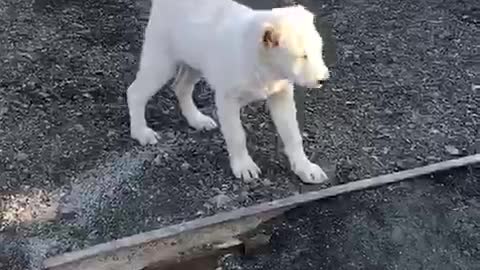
{"x":293,"y":46}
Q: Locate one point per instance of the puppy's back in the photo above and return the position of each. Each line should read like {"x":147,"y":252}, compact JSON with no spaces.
{"x":195,"y":10}
{"x":194,"y":29}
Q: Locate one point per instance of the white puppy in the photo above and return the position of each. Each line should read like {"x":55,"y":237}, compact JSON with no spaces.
{"x":245,"y":55}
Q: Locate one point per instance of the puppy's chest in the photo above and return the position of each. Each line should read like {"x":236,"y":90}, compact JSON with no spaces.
{"x":251,"y":95}
{"x":257,"y":93}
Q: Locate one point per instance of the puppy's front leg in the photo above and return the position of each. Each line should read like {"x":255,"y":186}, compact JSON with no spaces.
{"x":283,"y":111}
{"x":231,"y":126}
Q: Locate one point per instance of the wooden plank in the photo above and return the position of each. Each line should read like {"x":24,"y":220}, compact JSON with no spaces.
{"x":138,"y":251}
{"x":145,"y":249}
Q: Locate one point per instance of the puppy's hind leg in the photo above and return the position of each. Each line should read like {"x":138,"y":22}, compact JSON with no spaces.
{"x":156,"y":68}
{"x":184,"y":84}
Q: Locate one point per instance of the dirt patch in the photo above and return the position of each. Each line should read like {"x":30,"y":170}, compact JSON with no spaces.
{"x":401,"y":96}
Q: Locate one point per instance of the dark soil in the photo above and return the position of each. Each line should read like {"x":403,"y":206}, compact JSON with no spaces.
{"x":402,"y":95}
{"x":429,"y":223}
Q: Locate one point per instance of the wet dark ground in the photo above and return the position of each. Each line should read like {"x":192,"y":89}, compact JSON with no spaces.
{"x":402,"y":95}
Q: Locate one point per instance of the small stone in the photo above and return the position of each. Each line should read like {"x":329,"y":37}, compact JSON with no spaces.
{"x":158,"y":160}
{"x":220,"y":200}
{"x":434,"y":131}
{"x":406,"y":163}
{"x":267,"y":182}
{"x":432,"y":158}
{"x":452,"y":150}
{"x":244,"y":196}
{"x":3,"y":110}
{"x":21,"y":156}
{"x":352,"y":176}
{"x":185,"y":166}
{"x":476,"y":146}
{"x":397,"y":235}
{"x":207,"y":206}
{"x":79,"y":128}
{"x":368,"y":149}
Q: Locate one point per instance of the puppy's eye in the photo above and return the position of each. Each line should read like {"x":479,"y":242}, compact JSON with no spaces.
{"x":305,"y":56}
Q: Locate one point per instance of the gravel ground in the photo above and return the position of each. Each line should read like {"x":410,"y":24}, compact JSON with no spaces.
{"x":430,"y":223}
{"x":402,"y":95}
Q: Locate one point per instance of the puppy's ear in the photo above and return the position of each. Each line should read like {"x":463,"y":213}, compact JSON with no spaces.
{"x":270,"y":37}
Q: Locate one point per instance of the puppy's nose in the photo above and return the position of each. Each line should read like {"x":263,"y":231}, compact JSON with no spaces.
{"x":321,"y":81}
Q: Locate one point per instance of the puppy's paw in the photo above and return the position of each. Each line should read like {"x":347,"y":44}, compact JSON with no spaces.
{"x":145,"y":135}
{"x":309,"y":173}
{"x":244,"y":167}
{"x":203,"y":122}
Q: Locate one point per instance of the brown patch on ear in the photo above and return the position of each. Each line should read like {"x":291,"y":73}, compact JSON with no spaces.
{"x":271,"y":37}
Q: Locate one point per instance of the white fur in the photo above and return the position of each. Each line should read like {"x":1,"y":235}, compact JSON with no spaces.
{"x":222,"y":41}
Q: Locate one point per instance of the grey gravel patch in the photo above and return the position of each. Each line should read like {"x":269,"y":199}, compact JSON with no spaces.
{"x":37,"y":249}
{"x":28,"y":254}
{"x":92,"y":189}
